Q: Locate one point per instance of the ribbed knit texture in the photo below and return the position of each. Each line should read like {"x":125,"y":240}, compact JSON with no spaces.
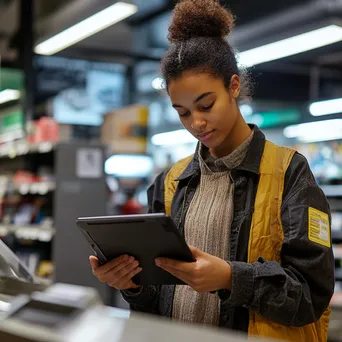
{"x":207,"y":227}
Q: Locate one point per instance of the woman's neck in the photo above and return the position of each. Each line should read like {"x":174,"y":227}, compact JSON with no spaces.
{"x":239,"y":133}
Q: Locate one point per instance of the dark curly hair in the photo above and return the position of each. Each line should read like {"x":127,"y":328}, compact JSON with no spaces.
{"x":198,"y":35}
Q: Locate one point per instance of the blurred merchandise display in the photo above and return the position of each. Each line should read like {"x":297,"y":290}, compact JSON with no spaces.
{"x":22,"y":147}
{"x":44,"y":129}
{"x":325,"y":160}
{"x":27,"y":185}
{"x":128,"y":167}
{"x":131,"y":206}
{"x":125,"y":130}
{"x":11,"y":125}
{"x":128,"y":179}
{"x":45,"y":269}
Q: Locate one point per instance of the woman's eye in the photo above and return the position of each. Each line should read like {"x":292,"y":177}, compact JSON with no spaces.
{"x":208,"y":107}
{"x":184,"y":114}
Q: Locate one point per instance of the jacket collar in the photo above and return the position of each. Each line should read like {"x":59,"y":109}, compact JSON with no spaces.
{"x":251,"y":163}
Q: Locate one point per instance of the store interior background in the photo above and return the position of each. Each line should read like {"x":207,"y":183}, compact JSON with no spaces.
{"x":52,"y":110}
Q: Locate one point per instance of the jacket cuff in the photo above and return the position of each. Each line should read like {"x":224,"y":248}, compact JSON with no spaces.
{"x":139,"y":295}
{"x":242,"y":285}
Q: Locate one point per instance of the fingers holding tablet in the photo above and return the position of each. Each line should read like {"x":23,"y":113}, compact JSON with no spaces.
{"x":118,"y":272}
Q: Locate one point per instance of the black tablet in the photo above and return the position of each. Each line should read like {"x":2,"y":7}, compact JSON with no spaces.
{"x":145,"y":237}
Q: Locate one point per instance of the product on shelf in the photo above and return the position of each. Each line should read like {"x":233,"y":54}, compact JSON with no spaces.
{"x":23,"y":176}
{"x":45,"y":269}
{"x":44,"y":129}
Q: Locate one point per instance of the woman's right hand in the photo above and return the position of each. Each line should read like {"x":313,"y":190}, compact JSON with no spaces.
{"x":117,"y":273}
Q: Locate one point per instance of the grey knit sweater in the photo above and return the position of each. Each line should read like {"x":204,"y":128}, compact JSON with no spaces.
{"x":207,"y":227}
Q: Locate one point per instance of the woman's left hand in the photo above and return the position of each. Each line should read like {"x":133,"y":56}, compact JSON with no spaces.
{"x":208,"y":273}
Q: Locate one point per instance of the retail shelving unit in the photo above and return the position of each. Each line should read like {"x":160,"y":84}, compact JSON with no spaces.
{"x":38,"y":214}
{"x":26,"y":202}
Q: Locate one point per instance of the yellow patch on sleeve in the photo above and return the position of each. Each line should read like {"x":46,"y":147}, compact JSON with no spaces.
{"x":319,"y":227}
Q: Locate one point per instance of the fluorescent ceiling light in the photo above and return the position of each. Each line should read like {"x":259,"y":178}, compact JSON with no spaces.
{"x":129,"y":165}
{"x":9,"y":95}
{"x":291,"y":46}
{"x":181,"y":136}
{"x":315,"y":131}
{"x":326,"y":107}
{"x":86,"y":28}
{"x":158,"y":83}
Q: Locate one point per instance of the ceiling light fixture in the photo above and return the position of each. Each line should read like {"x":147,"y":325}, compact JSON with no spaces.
{"x":86,"y":28}
{"x":291,"y":46}
{"x":326,"y":107}
{"x":181,"y":136}
{"x":315,"y":131}
{"x":9,"y":95}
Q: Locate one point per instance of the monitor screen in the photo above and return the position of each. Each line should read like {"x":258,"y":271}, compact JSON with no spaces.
{"x":79,"y":92}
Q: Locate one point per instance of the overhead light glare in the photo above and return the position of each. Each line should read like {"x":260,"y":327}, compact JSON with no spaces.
{"x":9,"y":95}
{"x":326,"y":107}
{"x":315,"y":131}
{"x":158,"y":83}
{"x":181,"y":136}
{"x":129,"y":166}
{"x":291,"y":46}
{"x":246,"y":110}
{"x":86,"y":28}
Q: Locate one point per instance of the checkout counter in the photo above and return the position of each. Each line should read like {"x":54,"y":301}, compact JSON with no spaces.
{"x":31,"y":311}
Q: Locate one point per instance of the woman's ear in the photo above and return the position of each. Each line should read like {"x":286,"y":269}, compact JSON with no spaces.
{"x":235,"y":86}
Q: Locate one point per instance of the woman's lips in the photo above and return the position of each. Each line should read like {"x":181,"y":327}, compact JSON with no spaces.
{"x":205,"y":136}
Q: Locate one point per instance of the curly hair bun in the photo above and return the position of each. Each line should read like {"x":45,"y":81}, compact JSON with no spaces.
{"x":200,"y":18}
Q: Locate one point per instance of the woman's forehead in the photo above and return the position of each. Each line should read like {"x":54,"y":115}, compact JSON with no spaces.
{"x":195,"y":84}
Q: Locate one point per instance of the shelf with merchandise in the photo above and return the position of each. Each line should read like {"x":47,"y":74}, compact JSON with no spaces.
{"x":23,"y":147}
{"x":25,"y":188}
{"x":32,"y":188}
{"x":28,"y":232}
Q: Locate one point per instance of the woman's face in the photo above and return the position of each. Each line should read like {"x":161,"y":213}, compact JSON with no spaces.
{"x":207,"y":109}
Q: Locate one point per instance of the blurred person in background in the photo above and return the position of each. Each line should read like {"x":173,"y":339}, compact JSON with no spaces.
{"x":258,"y":223}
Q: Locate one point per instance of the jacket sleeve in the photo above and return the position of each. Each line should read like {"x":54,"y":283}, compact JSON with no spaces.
{"x":297,"y":291}
{"x":146,"y":298}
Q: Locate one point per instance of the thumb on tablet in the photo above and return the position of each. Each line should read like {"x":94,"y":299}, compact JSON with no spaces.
{"x":94,"y":262}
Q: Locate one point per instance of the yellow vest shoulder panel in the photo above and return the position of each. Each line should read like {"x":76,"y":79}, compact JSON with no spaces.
{"x":170,"y":182}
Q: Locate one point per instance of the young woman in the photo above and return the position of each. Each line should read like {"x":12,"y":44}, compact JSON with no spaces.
{"x":258,"y":223}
